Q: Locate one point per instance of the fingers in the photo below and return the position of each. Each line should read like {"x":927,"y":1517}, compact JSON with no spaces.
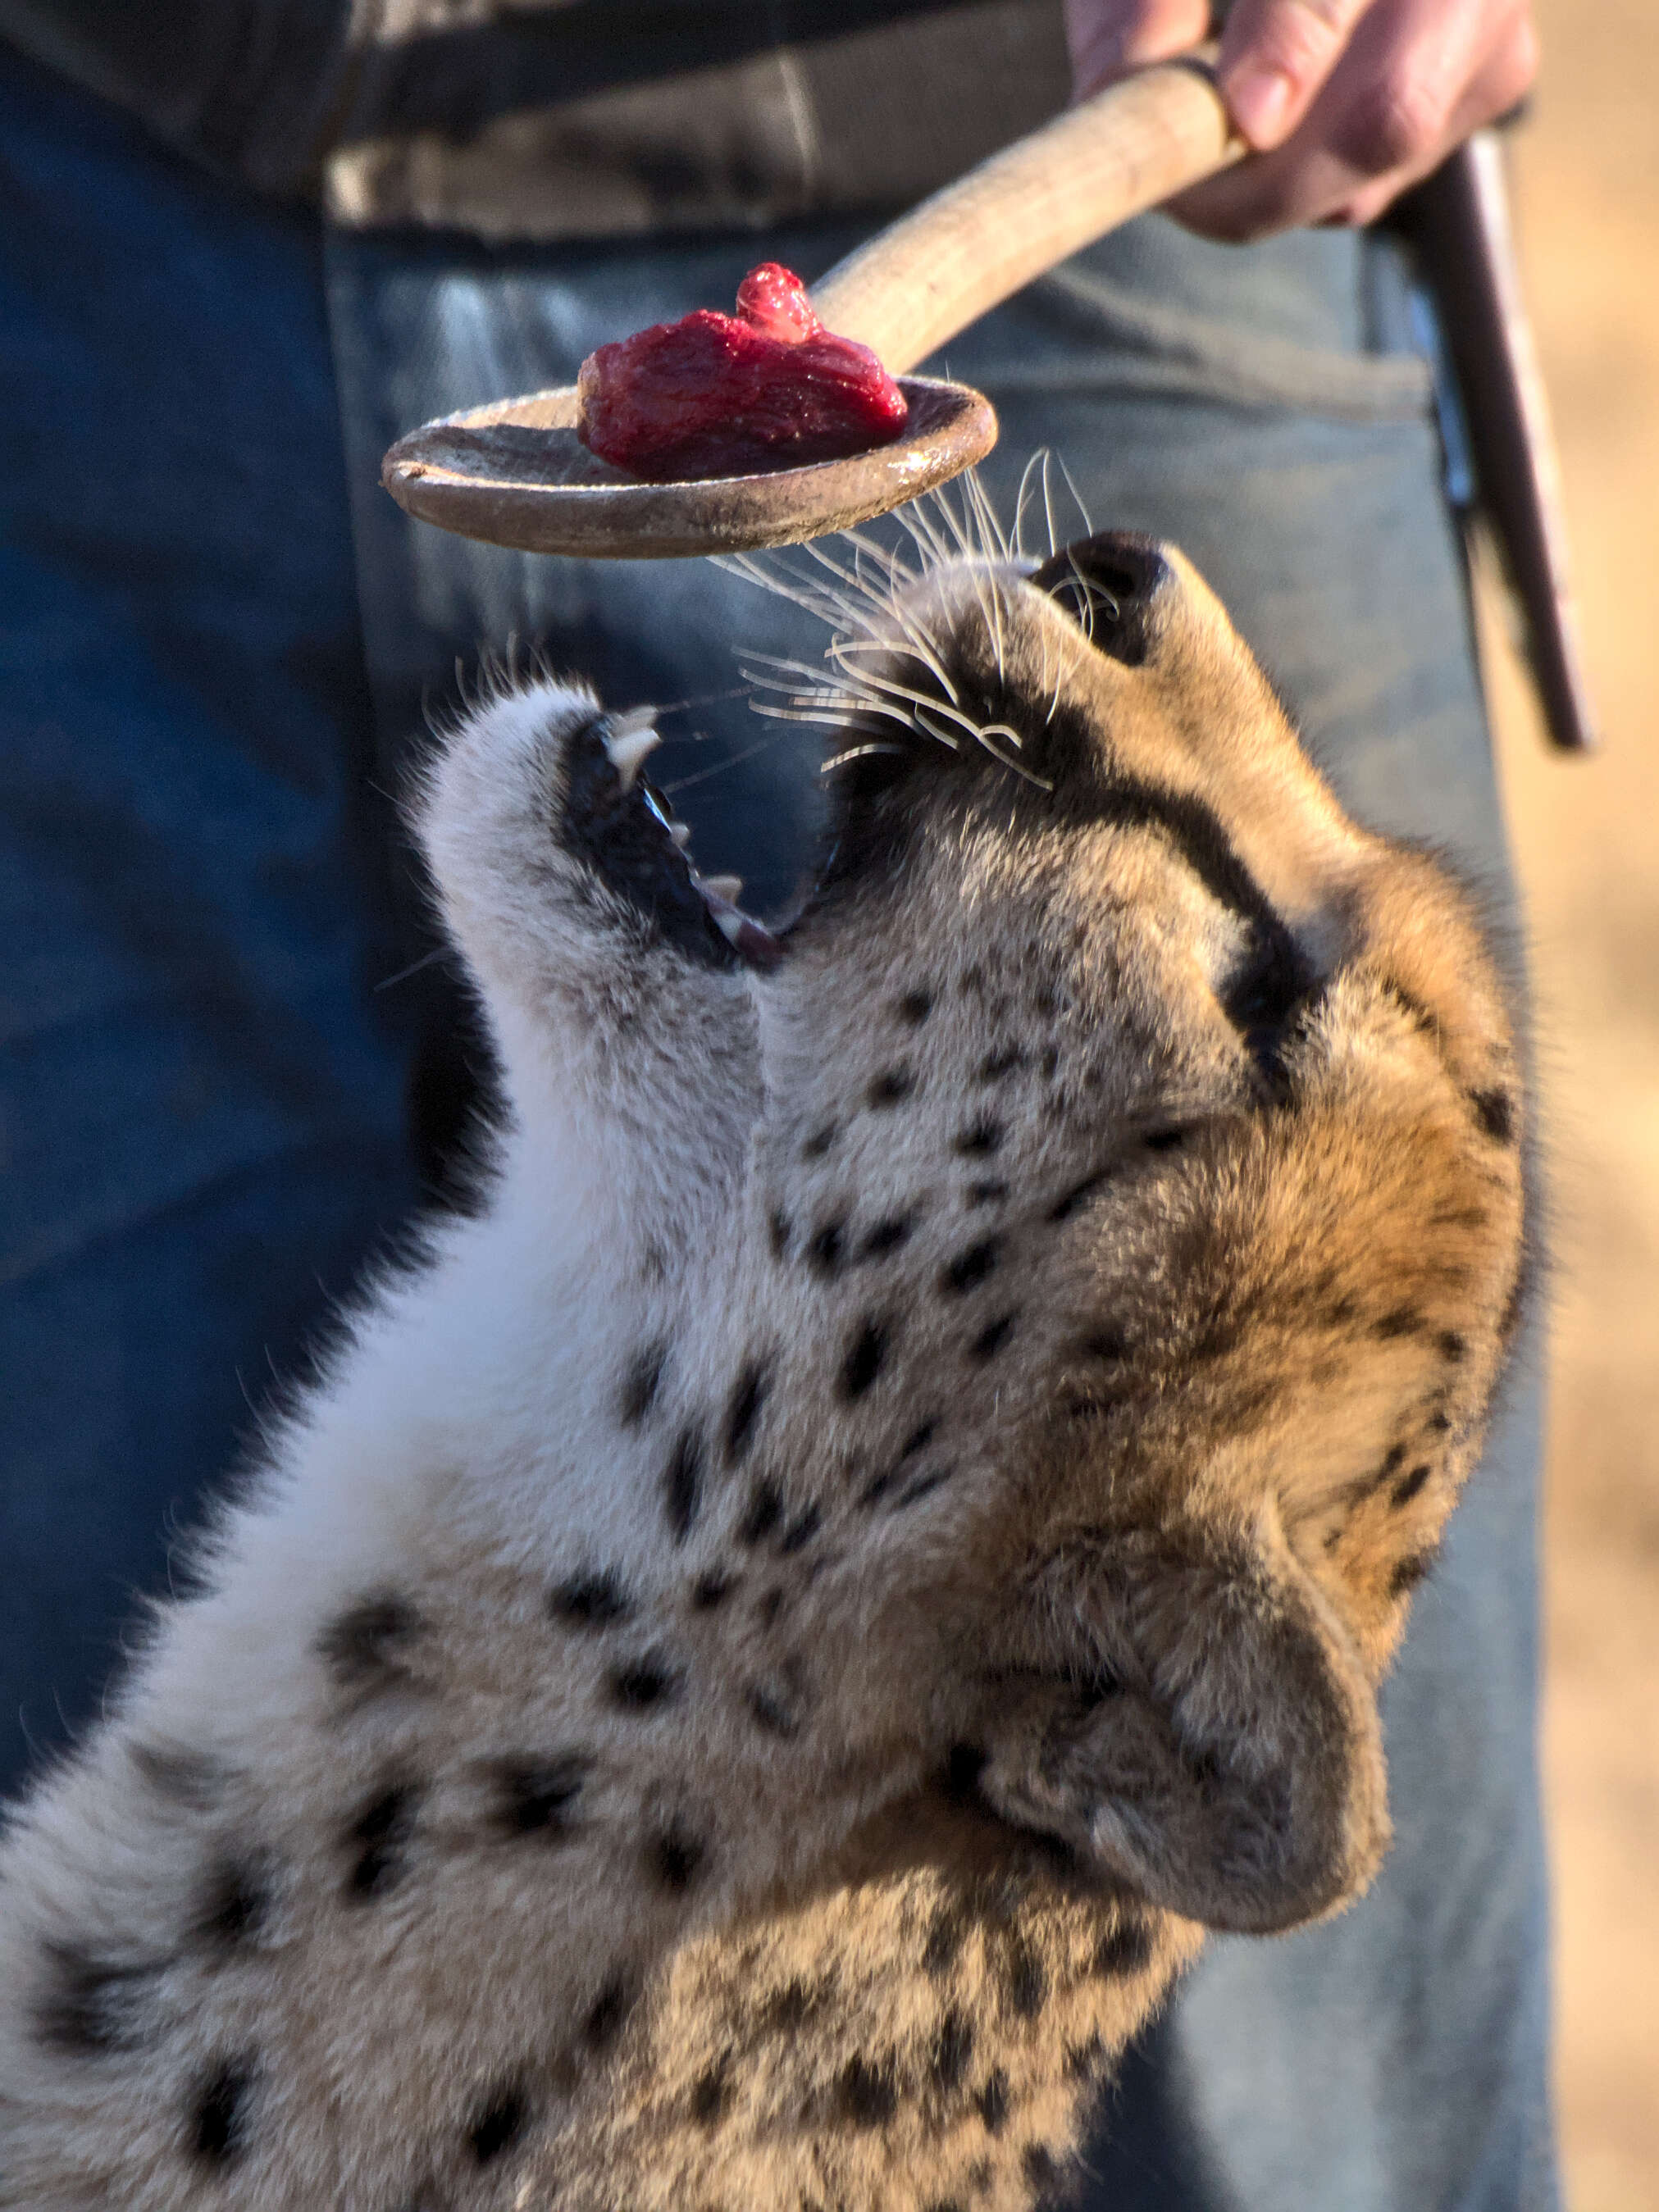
{"x":1416,"y":77}
{"x":1275,"y":55}
{"x":1107,"y":37}
{"x":1502,"y":81}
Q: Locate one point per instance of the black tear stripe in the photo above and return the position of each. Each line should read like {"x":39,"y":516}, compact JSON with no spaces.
{"x":1274,"y":983}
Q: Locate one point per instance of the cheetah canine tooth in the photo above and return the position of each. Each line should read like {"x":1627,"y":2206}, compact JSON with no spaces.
{"x":729,"y":888}
{"x":632,"y":738}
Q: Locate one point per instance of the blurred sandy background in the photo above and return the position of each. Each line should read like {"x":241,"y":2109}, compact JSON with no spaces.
{"x":1586,"y":835}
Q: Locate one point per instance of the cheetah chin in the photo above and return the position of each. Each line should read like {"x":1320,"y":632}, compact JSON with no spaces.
{"x":755,"y":1671}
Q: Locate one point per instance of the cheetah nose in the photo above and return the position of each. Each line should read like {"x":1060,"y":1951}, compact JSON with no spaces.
{"x":1112,"y":580}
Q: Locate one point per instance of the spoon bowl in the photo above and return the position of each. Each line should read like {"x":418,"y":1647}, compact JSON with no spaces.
{"x":515,"y":473}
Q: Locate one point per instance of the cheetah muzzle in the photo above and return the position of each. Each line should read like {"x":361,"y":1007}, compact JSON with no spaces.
{"x":751,"y":1676}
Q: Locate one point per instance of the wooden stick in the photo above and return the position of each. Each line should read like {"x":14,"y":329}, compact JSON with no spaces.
{"x":977,"y":241}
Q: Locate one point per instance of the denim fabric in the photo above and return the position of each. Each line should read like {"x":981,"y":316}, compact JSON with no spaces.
{"x":209,"y":1034}
{"x":201,"y":1096}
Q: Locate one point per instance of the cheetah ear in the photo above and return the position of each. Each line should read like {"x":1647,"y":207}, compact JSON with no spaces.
{"x":1226,"y":1760}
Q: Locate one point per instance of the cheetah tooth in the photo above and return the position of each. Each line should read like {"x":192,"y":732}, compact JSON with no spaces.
{"x":728,"y":921}
{"x":729,"y":888}
{"x":632,"y":736}
{"x":681,"y":833}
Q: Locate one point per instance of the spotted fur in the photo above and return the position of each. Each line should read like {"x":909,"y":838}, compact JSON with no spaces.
{"x":751,"y":1676}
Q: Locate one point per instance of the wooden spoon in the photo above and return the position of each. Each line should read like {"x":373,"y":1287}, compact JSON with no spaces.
{"x":515,"y":473}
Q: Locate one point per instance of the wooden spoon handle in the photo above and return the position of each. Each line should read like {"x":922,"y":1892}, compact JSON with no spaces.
{"x":978,"y":240}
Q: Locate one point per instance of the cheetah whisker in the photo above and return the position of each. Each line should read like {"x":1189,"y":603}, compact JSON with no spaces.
{"x":1077,"y":496}
{"x":923,"y":722}
{"x":915,"y":637}
{"x":859,"y":752}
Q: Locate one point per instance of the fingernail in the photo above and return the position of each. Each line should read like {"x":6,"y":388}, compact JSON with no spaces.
{"x":1260,"y":100}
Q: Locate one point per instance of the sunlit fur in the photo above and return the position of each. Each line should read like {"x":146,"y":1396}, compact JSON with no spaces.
{"x":746,"y":1682}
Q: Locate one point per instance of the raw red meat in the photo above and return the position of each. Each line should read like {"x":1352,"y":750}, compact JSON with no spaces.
{"x":717,"y":395}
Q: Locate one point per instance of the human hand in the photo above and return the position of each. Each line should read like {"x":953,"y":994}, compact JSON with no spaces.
{"x":1348,"y":102}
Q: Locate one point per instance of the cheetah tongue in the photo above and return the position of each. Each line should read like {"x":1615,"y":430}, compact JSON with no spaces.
{"x":750,"y":939}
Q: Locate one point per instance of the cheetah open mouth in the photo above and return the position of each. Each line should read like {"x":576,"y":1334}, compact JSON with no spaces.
{"x":965,"y":723}
{"x":628,"y":830}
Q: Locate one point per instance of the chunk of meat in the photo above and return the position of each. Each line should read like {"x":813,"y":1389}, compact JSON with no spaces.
{"x":716,"y":395}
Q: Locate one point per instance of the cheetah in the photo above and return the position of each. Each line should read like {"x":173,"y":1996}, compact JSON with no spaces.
{"x":753,"y":1673}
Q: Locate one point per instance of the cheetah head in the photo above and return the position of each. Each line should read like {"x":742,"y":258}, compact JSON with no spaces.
{"x":745,"y":1683}
{"x":1068,"y":1265}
